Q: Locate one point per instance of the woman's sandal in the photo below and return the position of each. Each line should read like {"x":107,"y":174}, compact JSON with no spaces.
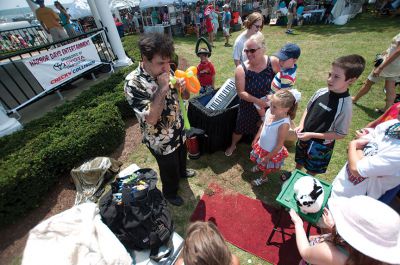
{"x":285,"y":176}
{"x":258,"y":182}
{"x":229,"y":151}
{"x":255,"y":169}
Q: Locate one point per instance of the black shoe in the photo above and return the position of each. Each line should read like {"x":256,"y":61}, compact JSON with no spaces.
{"x":190,"y":173}
{"x":177,"y":200}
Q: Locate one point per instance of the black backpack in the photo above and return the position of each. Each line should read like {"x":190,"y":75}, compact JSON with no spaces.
{"x":139,"y":218}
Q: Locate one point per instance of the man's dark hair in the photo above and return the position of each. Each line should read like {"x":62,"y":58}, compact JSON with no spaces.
{"x":353,"y":65}
{"x":156,"y":43}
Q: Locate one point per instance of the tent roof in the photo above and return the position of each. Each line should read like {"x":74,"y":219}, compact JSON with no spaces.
{"x":80,"y":8}
{"x":155,"y":3}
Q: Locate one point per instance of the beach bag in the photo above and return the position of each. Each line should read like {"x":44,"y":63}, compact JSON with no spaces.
{"x":137,"y":213}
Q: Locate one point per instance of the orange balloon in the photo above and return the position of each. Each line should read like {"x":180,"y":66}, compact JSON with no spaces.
{"x":192,"y":83}
{"x":180,"y":74}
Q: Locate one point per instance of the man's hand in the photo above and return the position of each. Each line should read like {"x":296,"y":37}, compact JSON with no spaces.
{"x":163,"y":81}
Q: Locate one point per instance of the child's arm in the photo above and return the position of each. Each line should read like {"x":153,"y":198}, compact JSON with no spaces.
{"x":282,"y":132}
{"x":255,"y":140}
{"x":299,"y":128}
{"x":324,"y":136}
{"x":322,"y":253}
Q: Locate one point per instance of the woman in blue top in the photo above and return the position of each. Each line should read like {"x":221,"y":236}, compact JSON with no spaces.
{"x":65,"y":20}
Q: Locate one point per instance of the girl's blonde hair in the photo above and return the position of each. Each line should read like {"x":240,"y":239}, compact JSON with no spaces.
{"x":253,"y":18}
{"x":287,"y":100}
{"x":204,"y":245}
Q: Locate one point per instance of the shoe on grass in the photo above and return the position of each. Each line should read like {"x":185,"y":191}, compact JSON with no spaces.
{"x":190,"y":173}
{"x":258,"y":182}
{"x":255,"y":169}
{"x":176,"y":200}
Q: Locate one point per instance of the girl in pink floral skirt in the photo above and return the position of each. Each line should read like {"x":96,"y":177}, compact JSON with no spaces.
{"x":268,"y":150}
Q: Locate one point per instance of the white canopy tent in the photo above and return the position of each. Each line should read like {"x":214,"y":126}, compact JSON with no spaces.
{"x":81,"y":8}
{"x":344,"y":10}
{"x":155,"y":3}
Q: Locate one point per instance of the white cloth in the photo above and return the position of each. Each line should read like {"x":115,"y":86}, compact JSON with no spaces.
{"x":393,"y":69}
{"x":269,"y":133}
{"x":74,"y":237}
{"x":380,"y":166}
{"x":238,"y":47}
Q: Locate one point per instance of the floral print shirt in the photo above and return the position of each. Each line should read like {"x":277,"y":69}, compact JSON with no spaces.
{"x":168,"y":134}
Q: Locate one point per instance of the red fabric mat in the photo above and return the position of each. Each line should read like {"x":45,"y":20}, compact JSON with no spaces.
{"x":247,"y":224}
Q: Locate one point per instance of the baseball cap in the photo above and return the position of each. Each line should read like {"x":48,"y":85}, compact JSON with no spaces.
{"x":290,"y":50}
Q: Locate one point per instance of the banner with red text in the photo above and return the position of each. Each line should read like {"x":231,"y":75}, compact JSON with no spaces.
{"x":61,"y":64}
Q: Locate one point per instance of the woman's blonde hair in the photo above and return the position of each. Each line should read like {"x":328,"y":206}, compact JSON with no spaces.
{"x":204,"y":245}
{"x":259,"y":39}
{"x":253,"y":18}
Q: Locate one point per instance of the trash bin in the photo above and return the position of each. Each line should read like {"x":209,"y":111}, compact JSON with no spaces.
{"x":217,"y":124}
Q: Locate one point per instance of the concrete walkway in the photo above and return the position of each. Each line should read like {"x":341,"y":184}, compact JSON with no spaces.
{"x":49,"y":102}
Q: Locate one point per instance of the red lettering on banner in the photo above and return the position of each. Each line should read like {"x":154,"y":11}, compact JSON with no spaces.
{"x":62,"y":77}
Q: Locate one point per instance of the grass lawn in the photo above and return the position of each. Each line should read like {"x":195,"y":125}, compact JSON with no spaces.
{"x":366,"y":35}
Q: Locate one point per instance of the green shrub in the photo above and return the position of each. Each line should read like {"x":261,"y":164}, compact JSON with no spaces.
{"x":33,"y":159}
{"x":28,"y":173}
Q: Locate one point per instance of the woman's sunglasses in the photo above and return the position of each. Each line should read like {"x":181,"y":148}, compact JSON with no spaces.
{"x":258,"y":26}
{"x":251,"y":50}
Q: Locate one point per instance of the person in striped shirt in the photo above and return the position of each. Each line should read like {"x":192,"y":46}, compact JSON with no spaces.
{"x":286,"y":77}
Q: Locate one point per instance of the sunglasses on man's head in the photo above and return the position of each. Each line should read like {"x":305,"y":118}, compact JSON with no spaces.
{"x":251,"y":50}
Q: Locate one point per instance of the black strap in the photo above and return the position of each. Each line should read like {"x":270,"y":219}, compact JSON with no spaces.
{"x":244,"y":67}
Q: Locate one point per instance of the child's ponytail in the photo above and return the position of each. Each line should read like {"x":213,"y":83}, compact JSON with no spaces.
{"x":292,"y":111}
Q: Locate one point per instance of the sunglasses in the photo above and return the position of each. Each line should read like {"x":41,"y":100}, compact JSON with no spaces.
{"x":251,"y":50}
{"x":258,"y":26}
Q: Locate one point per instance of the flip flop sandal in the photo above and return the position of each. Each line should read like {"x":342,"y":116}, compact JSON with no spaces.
{"x":285,"y":176}
{"x":231,"y":152}
{"x":255,"y":169}
{"x":258,"y":182}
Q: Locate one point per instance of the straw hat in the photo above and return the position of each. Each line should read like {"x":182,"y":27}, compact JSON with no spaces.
{"x":368,"y":225}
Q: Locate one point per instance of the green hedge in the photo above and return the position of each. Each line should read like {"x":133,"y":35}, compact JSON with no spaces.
{"x":33,"y":159}
{"x":29,"y":172}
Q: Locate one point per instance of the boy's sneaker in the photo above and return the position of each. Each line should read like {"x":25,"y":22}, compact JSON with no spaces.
{"x":289,"y":31}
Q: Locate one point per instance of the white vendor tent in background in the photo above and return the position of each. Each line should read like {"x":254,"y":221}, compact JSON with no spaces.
{"x":81,"y":8}
{"x":344,"y":10}
{"x":155,"y":3}
{"x":120,"y":4}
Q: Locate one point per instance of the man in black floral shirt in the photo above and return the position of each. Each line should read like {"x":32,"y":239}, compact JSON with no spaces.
{"x":156,"y":106}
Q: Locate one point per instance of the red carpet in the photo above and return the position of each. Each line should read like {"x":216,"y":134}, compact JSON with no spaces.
{"x":247,"y":223}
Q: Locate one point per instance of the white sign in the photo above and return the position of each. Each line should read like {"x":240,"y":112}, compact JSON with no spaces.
{"x":63,"y":63}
